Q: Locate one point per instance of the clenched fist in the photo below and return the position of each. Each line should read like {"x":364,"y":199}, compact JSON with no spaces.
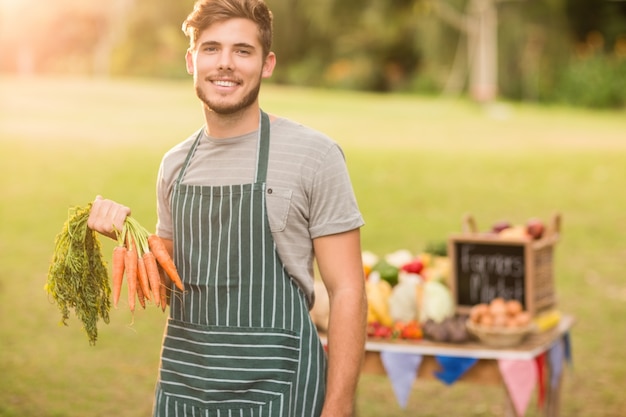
{"x":106,"y":216}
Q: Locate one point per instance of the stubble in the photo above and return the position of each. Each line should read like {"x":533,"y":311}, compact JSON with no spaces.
{"x":226,"y":109}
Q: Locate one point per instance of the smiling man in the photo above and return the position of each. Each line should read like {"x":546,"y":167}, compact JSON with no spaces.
{"x":246,"y":205}
{"x":212,"y":59}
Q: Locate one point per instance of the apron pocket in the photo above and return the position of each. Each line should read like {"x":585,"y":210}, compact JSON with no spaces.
{"x":214,"y":367}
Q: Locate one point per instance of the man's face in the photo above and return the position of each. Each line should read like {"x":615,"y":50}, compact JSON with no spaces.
{"x":227,"y":65}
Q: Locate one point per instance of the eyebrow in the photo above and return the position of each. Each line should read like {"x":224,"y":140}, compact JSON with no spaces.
{"x":216,"y":43}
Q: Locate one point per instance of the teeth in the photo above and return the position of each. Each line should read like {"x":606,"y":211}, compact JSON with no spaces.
{"x":225,"y":83}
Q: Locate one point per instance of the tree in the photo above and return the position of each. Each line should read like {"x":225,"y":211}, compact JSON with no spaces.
{"x":479,"y":25}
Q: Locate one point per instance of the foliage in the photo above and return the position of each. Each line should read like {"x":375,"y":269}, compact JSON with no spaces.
{"x":378,"y":45}
{"x":78,"y":278}
{"x":154,"y":44}
{"x":595,"y":82}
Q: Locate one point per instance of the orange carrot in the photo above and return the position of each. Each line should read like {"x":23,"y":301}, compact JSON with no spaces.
{"x":164,"y":292}
{"x":131,"y":273}
{"x":142,"y":275}
{"x":152,"y":271}
{"x":166,"y":288}
{"x":119,"y":254}
{"x":163,"y":258}
{"x":140,"y":295}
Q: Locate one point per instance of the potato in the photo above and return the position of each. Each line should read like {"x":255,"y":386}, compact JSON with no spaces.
{"x":486,"y":320}
{"x":511,"y":322}
{"x":513,"y":307}
{"x":497,"y":306}
{"x":523,"y":318}
{"x":477,"y":312}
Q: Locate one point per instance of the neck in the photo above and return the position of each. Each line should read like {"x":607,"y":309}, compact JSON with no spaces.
{"x":230,"y":125}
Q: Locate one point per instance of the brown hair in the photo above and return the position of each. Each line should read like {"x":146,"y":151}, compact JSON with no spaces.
{"x":207,"y":12}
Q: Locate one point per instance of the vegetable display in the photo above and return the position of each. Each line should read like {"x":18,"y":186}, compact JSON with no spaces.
{"x":408,"y":297}
{"x":78,"y":277}
{"x":404,"y":291}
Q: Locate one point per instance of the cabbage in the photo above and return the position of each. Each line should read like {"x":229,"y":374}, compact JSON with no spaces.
{"x":402,"y":302}
{"x":436,"y":302}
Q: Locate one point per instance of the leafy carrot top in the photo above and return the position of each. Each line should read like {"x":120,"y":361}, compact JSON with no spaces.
{"x":78,"y":277}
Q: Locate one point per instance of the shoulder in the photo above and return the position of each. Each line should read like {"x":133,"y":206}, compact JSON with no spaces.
{"x":297,"y":131}
{"x":296,"y":138}
{"x":177,"y":154}
{"x":174,"y":158}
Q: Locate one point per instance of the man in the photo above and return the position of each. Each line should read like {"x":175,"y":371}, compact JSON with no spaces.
{"x":245,"y":205}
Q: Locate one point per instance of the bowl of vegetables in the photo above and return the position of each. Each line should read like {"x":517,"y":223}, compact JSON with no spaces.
{"x":501,"y":323}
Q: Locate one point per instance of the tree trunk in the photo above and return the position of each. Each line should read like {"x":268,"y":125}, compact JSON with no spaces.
{"x":114,"y":32}
{"x":483,"y":50}
{"x":479,"y":24}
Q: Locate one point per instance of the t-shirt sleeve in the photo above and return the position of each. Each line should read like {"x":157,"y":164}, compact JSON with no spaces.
{"x":164,"y":227}
{"x":169,"y":168}
{"x":334,"y":207}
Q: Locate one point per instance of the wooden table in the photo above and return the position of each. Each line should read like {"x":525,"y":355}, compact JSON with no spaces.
{"x":486,"y":370}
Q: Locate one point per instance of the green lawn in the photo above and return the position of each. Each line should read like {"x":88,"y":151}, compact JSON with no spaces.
{"x":418,"y":165}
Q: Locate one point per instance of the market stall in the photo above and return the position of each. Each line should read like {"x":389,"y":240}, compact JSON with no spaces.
{"x":482,"y":309}
{"x":536,"y":365}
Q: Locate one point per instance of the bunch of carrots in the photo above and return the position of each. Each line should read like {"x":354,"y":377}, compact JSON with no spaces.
{"x":78,"y":277}
{"x":141,"y":256}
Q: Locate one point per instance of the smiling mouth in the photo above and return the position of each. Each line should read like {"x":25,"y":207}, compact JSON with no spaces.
{"x":225,"y":83}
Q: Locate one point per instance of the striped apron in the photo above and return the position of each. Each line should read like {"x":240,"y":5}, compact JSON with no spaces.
{"x":239,"y":341}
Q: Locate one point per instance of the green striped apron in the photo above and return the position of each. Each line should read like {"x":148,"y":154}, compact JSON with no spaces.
{"x":239,"y":341}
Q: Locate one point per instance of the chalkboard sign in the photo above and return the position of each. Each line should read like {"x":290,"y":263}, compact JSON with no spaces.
{"x":485,"y":267}
{"x":486,"y":271}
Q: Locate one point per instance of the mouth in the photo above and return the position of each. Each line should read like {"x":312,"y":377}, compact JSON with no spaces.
{"x":224,"y":83}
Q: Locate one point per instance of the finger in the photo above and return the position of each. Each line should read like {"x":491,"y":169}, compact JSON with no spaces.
{"x":95,"y":214}
{"x":119,"y":217}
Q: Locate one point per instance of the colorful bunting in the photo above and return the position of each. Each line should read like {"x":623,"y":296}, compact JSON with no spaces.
{"x":402,"y":370}
{"x":520,"y":378}
{"x":540,"y":361}
{"x":567,"y":348}
{"x":452,"y":368}
{"x":556,"y":355}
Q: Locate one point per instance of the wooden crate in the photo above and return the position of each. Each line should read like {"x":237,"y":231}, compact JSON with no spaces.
{"x":485,"y":266}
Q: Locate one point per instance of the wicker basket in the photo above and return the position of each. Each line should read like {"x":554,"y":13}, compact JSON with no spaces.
{"x":499,"y":336}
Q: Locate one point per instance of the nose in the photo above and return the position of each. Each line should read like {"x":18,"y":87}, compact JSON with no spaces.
{"x":224,"y":61}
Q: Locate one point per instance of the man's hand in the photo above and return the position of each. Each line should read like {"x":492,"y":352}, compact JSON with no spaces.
{"x":106,"y":216}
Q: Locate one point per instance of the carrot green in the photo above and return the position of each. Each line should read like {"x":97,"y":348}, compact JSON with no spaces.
{"x":78,"y":278}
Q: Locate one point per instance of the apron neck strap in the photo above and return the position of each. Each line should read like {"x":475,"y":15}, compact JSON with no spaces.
{"x":264,"y":147}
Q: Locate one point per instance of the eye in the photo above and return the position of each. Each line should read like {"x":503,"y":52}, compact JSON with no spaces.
{"x":209,"y":47}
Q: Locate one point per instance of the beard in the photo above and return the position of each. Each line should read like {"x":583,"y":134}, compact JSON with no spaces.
{"x":225,"y":109}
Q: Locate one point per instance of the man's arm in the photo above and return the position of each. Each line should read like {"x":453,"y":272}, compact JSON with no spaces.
{"x":339,"y":261}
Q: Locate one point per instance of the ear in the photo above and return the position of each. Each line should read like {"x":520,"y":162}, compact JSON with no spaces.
{"x":268,"y":65}
{"x":189,"y":62}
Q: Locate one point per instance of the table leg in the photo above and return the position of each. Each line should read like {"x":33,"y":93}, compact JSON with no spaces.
{"x":553,"y":394}
{"x":509,"y":408}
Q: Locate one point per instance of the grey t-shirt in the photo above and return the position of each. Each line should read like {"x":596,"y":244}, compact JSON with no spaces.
{"x":312,"y":195}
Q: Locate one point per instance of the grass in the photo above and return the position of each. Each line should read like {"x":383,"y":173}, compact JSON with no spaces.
{"x":418,"y":164}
